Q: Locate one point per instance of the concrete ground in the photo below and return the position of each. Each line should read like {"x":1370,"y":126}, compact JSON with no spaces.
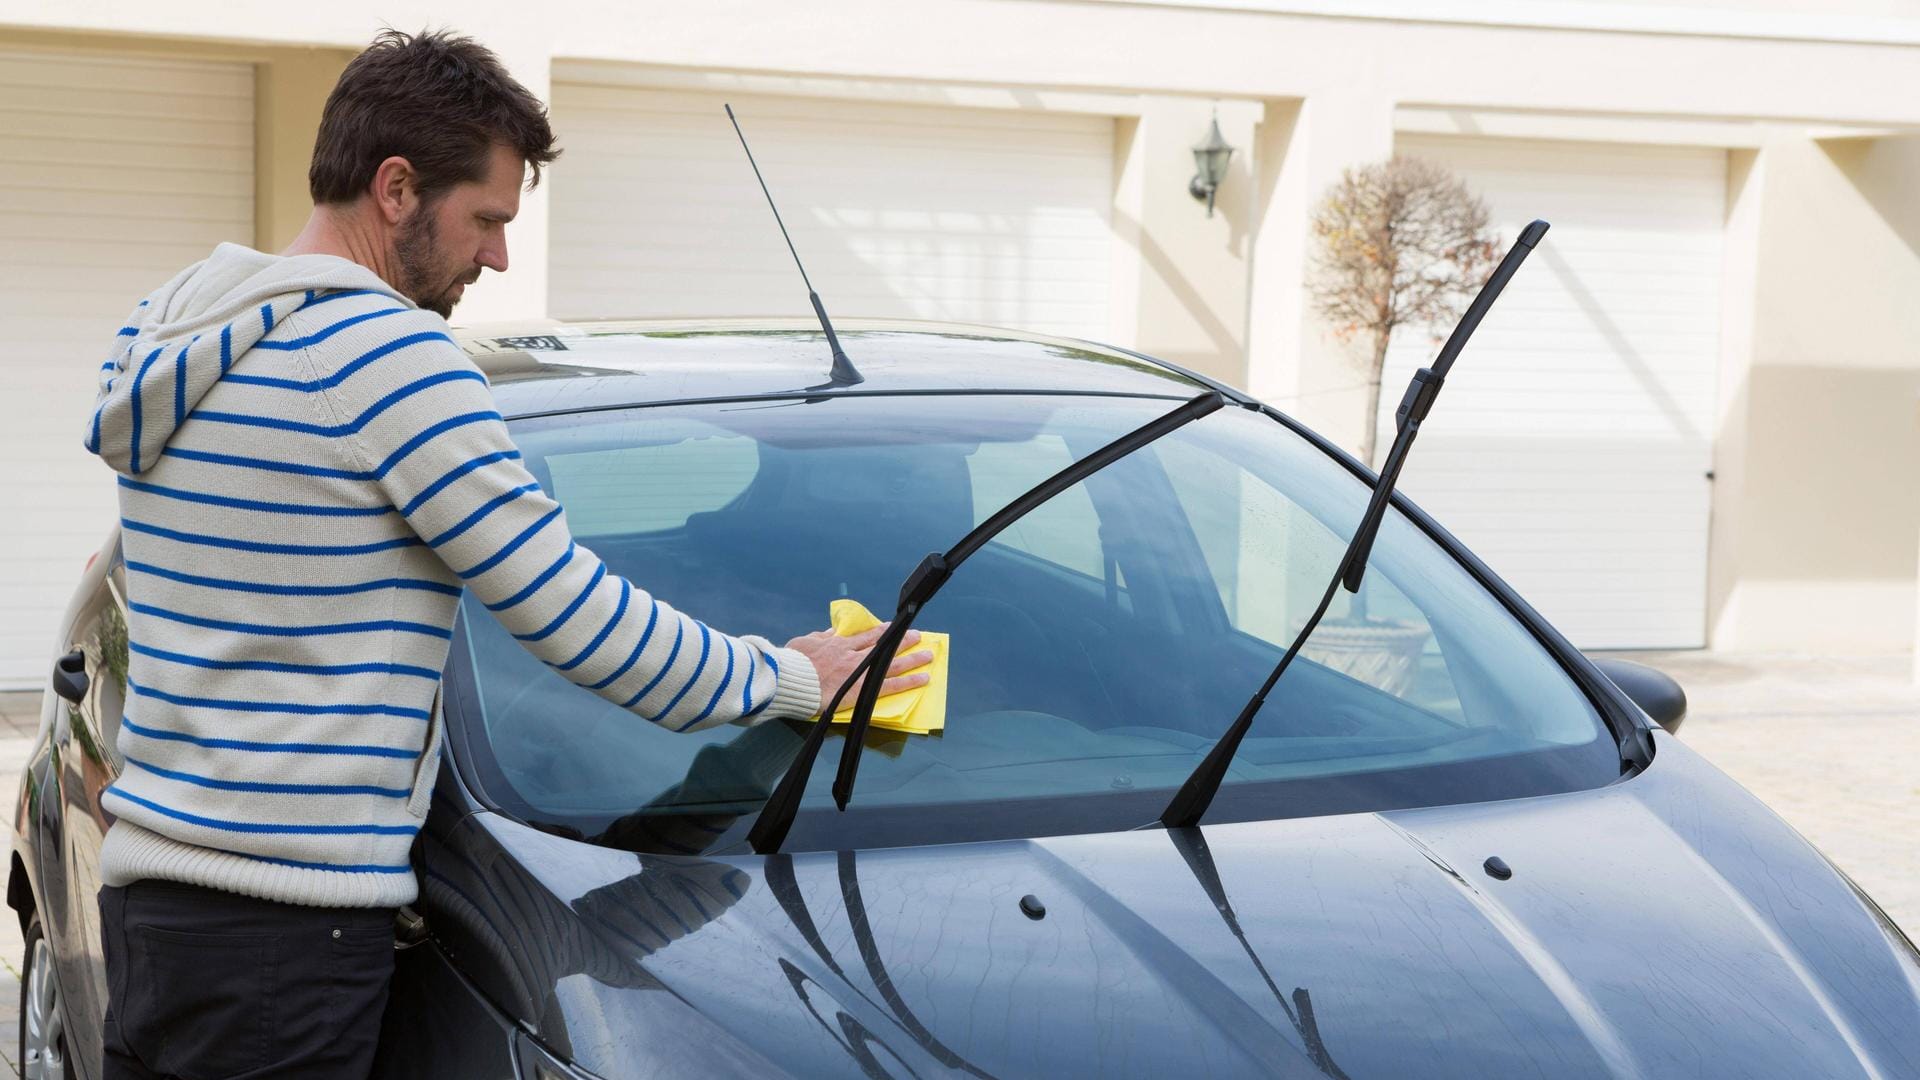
{"x":1831,"y":743}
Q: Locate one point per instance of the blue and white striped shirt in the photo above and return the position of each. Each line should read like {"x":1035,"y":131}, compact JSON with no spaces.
{"x":311,"y":473}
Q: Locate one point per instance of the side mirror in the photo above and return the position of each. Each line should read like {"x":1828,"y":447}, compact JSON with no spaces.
{"x":1654,"y":691}
{"x":70,"y":676}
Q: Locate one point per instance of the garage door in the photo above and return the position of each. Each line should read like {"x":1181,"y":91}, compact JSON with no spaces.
{"x":1572,"y":447}
{"x":114,"y":173}
{"x":975,"y":215}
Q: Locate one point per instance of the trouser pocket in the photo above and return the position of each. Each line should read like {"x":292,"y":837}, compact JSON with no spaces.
{"x":214,"y":986}
{"x":199,"y":1000}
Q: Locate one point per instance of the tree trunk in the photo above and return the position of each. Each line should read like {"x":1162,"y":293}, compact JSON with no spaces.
{"x":1375,"y":370}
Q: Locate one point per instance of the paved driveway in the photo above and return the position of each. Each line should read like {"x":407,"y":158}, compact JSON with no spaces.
{"x":1832,"y":744}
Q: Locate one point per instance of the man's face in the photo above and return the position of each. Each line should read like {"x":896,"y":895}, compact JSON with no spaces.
{"x":441,"y":247}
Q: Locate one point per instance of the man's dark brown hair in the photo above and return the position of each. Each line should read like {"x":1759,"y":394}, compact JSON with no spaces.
{"x":439,"y":100}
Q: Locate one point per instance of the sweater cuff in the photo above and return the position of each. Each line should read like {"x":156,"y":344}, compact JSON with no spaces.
{"x":796,"y":694}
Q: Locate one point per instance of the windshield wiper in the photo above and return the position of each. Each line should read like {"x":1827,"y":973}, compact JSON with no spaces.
{"x":1194,"y":796}
{"x":770,"y":829}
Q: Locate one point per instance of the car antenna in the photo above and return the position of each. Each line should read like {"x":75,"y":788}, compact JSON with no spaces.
{"x":843,"y":373}
{"x":1194,"y":796}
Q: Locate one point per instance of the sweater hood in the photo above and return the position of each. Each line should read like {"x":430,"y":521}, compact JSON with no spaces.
{"x":182,"y":339}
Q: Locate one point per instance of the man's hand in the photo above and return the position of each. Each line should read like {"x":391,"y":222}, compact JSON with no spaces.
{"x":835,"y":657}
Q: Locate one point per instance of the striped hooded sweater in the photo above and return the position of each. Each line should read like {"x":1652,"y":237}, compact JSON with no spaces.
{"x":311,"y":472}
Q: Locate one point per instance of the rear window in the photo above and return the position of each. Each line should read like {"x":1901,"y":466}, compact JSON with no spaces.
{"x":628,"y":490}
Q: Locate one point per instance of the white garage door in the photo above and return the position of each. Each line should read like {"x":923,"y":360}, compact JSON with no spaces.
{"x":115,"y":173}
{"x":975,"y":215}
{"x":1571,"y":447}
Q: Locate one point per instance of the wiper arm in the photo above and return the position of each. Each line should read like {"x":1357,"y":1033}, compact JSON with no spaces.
{"x":1194,"y":796}
{"x":770,"y":829}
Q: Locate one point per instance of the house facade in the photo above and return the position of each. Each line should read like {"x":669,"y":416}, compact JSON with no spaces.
{"x":1690,"y":421}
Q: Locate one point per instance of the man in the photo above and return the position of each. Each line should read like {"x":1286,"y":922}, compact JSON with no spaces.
{"x":311,"y":472}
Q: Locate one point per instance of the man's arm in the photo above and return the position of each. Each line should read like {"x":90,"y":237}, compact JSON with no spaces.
{"x":424,"y":427}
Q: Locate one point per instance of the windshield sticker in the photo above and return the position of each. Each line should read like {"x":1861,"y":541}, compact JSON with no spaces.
{"x":546,"y":342}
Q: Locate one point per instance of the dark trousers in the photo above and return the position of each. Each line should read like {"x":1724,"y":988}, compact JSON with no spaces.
{"x":208,"y":985}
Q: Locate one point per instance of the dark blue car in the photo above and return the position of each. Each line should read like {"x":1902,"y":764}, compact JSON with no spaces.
{"x":1450,"y":845}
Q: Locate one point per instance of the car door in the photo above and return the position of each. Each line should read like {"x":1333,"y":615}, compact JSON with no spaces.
{"x":85,"y":764}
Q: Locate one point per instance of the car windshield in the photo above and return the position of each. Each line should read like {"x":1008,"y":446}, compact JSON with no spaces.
{"x":1097,"y":648}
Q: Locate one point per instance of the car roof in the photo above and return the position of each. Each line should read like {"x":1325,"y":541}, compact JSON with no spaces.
{"x":551,"y":366}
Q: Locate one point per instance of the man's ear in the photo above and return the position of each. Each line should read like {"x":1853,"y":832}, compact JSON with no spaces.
{"x":395,"y":189}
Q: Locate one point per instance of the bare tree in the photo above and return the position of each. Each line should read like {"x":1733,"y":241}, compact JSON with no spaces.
{"x":1400,"y":242}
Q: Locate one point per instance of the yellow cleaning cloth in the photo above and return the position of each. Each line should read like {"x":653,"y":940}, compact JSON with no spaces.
{"x":919,"y":711}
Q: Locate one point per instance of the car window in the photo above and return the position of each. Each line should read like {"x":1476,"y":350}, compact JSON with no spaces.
{"x":652,"y":488}
{"x":1270,"y":560}
{"x":1064,"y":530}
{"x":1097,"y":651}
{"x":93,"y":724}
{"x":110,"y":700}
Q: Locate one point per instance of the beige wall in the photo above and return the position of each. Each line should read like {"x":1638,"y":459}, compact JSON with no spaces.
{"x":1816,"y":509}
{"x":289,"y":91}
{"x":291,"y":84}
{"x":1306,"y":147}
{"x":1182,"y":276}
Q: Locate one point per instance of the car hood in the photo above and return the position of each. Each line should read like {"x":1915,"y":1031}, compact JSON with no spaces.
{"x":1667,"y":925}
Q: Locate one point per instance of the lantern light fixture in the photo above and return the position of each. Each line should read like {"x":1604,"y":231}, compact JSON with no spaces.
{"x":1210,"y":157}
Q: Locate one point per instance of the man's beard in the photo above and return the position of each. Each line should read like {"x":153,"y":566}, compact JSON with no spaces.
{"x":413,"y":247}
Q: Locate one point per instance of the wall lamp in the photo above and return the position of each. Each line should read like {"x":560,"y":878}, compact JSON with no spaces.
{"x":1210,"y":157}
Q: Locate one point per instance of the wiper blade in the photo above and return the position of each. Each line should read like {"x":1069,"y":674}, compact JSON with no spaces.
{"x":770,"y":829}
{"x":1192,"y":845}
{"x":1196,"y":794}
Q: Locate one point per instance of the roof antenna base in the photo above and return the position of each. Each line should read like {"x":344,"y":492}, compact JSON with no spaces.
{"x":843,"y":372}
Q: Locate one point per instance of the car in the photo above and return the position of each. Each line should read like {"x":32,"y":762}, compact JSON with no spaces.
{"x":1450,"y":846}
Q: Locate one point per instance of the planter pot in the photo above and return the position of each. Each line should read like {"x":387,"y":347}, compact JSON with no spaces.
{"x":1383,"y":654}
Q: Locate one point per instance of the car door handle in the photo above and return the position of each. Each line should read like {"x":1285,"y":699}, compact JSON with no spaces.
{"x":70,"y":676}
